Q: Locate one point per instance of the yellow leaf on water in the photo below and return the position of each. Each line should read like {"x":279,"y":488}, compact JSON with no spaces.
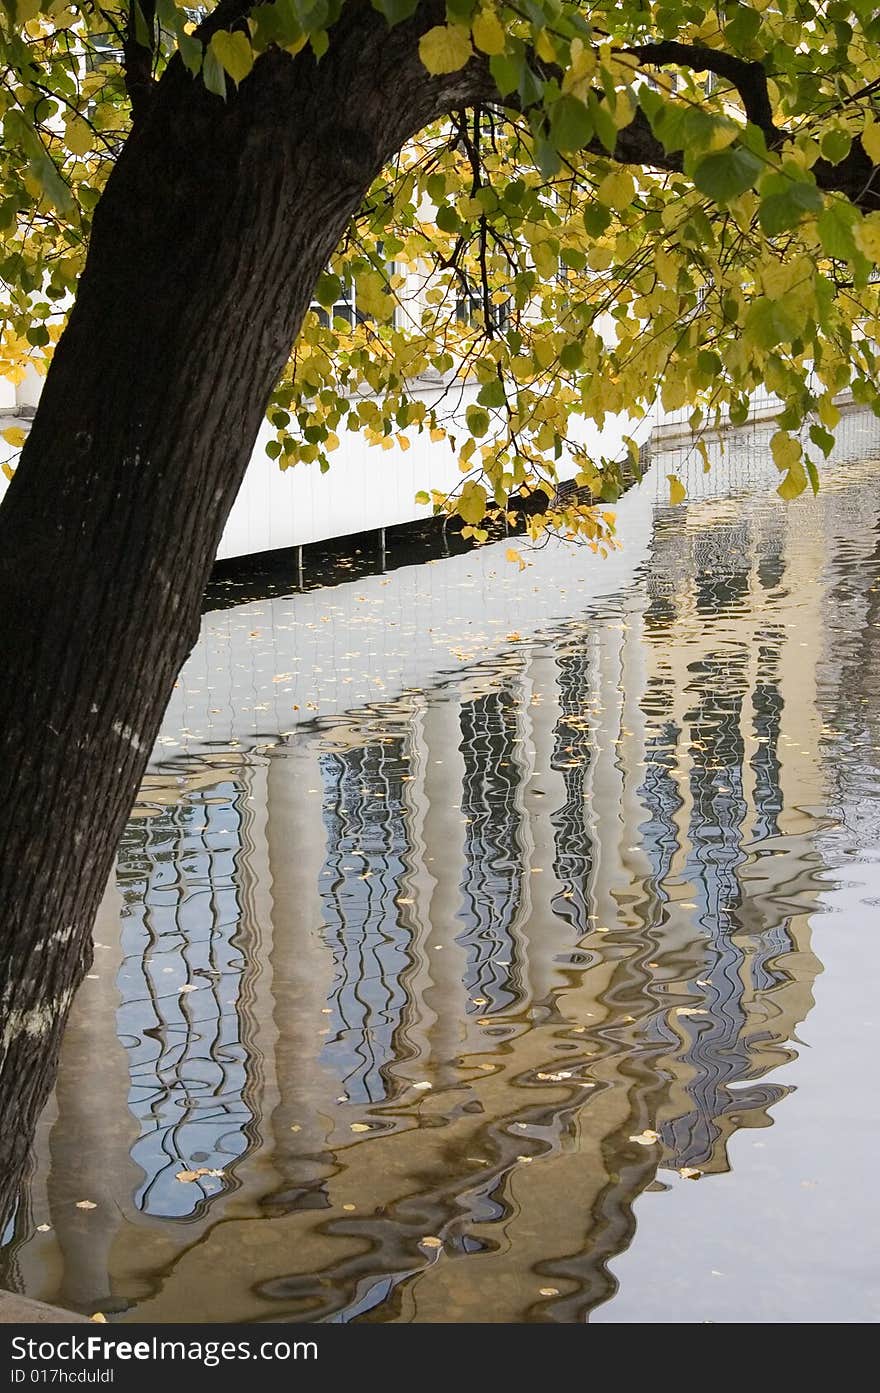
{"x":512,"y":554}
{"x":548,"y":1291}
{"x":690,"y":1173}
{"x":430,"y":1242}
{"x":99,"y":1318}
{"x":359,"y":1127}
{"x":85,"y":1204}
{"x":646,"y":1138}
{"x":15,"y":436}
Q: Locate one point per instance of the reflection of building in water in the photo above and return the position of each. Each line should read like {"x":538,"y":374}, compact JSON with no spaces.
{"x":491,"y":890}
{"x":187,"y":975}
{"x":365,"y":925}
{"x":569,"y":894}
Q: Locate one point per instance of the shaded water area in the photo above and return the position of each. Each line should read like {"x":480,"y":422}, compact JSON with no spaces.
{"x":465,"y":908}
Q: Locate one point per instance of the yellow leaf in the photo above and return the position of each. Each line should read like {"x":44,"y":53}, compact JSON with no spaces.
{"x":233,"y":52}
{"x":867,"y":235}
{"x":445,"y":48}
{"x":78,"y":136}
{"x":515,"y":556}
{"x":544,"y":47}
{"x":794,"y":482}
{"x":646,"y":1138}
{"x":359,"y":1127}
{"x":431,"y":1242}
{"x":617,"y":190}
{"x":871,"y":140}
{"x":785,"y":449}
{"x":677,"y":490}
{"x":371,"y":295}
{"x":488,"y":33}
{"x":15,"y":436}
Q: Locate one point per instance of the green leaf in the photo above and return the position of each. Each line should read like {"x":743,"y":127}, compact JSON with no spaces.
{"x":603,"y":122}
{"x":835,"y":145}
{"x":506,"y":70}
{"x":770,"y":322}
{"x":727,"y":173}
{"x":596,"y":219}
{"x":571,"y":356}
{"x":213,"y":74}
{"x":328,"y":290}
{"x":836,"y":225}
{"x":492,"y":393}
{"x":395,"y":11}
{"x":477,"y":421}
{"x":571,"y":125}
{"x":741,"y":26}
{"x":233,"y":52}
{"x":780,"y":211}
{"x":823,"y":438}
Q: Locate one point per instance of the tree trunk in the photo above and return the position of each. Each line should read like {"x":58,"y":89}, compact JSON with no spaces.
{"x":206,"y":245}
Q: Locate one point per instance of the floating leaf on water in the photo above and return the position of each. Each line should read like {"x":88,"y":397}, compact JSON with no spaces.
{"x":85,"y":1204}
{"x":548,"y":1291}
{"x":423,"y":1084}
{"x":188,"y":987}
{"x":296,"y":1127}
{"x":186,"y":1177}
{"x":430,"y":1242}
{"x":99,"y":1318}
{"x":44,"y":1228}
{"x":646,"y":1138}
{"x":690,"y":1173}
{"x":526,"y":1160}
{"x":349,"y":1207}
{"x":691,"y":1011}
{"x":360,"y":1127}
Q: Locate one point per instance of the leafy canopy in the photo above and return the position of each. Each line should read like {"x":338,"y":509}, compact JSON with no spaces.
{"x":655,"y":202}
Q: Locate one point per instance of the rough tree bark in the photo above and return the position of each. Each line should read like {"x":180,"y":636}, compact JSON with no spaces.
{"x":206,"y":245}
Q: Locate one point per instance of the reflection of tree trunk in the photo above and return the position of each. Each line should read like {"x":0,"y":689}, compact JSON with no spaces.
{"x":302,"y":969}
{"x":215,"y":224}
{"x":442,"y":832}
{"x":90,"y":1142}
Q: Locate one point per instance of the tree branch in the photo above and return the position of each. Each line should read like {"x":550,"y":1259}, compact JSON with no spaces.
{"x":749,"y":79}
{"x":137,"y":57}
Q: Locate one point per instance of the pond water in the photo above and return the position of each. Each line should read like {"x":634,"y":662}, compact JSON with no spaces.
{"x":499,"y":943}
